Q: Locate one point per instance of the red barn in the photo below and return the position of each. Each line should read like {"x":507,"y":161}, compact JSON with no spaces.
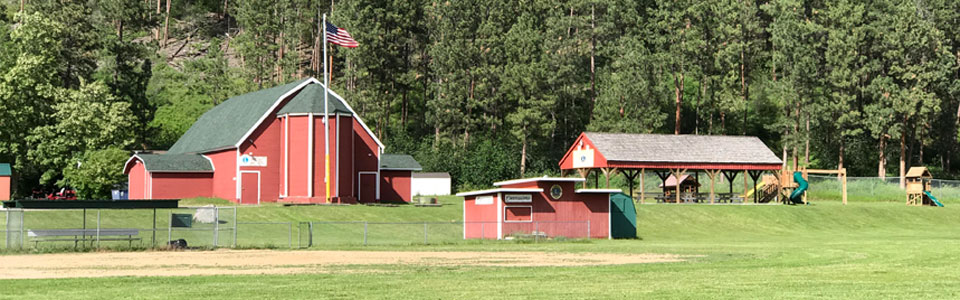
{"x":268,"y":146}
{"x":544,"y":207}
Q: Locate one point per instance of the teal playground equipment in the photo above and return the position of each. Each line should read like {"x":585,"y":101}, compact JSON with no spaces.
{"x":802,"y":185}
{"x":934,"y":199}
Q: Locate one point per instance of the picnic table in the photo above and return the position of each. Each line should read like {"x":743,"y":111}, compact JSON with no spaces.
{"x":83,"y":235}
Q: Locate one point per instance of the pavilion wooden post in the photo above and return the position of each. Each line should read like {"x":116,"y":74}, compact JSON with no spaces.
{"x":713,"y":175}
{"x":583,"y":174}
{"x":607,"y":172}
{"x":745,"y":184}
{"x":843,"y":173}
{"x":677,"y":173}
{"x":631,"y":176}
{"x":642,"y":189}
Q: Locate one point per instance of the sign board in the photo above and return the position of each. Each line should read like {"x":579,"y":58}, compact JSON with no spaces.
{"x":518,"y":198}
{"x":248,"y":160}
{"x":484,"y":200}
{"x":583,"y":158}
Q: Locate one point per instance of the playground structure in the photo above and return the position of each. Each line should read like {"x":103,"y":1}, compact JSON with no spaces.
{"x":918,"y":187}
{"x":794,"y":186}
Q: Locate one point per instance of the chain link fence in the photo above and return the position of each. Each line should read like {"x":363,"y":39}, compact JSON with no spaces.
{"x":119,"y":228}
{"x":325,"y":233}
{"x":212,"y":227}
{"x":876,"y":189}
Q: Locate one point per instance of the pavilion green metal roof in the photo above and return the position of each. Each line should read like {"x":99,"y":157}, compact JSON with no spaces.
{"x":225,"y":124}
{"x":399,"y":162}
{"x":310,"y":100}
{"x":5,"y":169}
{"x":176,"y":163}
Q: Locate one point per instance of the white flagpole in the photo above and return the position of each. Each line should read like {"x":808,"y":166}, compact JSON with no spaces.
{"x":326,"y":117}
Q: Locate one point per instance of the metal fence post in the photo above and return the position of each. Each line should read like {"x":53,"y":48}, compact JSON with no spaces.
{"x":235,"y":221}
{"x":290,"y":234}
{"x":588,"y":229}
{"x":364,"y":233}
{"x":98,"y":228}
{"x":170,"y":227}
{"x":310,"y":237}
{"x":536,"y":231}
{"x":216,"y":225}
{"x":424,"y":233}
{"x":23,"y":215}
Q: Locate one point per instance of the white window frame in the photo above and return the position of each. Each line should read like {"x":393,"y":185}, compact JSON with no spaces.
{"x":505,"y":207}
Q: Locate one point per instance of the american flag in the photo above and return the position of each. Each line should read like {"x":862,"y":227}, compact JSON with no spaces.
{"x":340,"y":36}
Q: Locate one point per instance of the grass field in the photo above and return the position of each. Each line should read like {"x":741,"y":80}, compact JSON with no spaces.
{"x":824,"y":250}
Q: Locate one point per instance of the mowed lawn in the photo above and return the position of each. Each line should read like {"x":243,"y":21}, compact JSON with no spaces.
{"x":824,"y":250}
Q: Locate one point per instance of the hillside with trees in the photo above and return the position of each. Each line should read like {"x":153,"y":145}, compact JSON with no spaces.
{"x":488,"y":90}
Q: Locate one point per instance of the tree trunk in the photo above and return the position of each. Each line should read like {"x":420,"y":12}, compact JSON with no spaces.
{"x":903,"y":157}
{"x":743,"y":87}
{"x":678,"y":90}
{"x":166,"y":25}
{"x":840,"y":157}
{"x":156,"y":31}
{"x":806,"y":152}
{"x":796,"y":132}
{"x":593,"y":73}
{"x":882,"y":165}
{"x":226,"y":11}
{"x":523,"y":155}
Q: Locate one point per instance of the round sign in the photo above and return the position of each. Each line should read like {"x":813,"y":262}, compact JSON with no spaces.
{"x":556,"y":191}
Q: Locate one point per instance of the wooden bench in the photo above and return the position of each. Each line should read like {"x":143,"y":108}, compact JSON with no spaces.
{"x":83,"y":235}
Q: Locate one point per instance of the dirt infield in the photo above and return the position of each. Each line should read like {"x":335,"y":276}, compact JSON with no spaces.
{"x":228,"y":262}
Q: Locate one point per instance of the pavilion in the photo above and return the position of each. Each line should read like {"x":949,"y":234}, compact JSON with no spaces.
{"x":666,"y":155}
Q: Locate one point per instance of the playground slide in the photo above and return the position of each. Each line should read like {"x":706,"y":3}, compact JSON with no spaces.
{"x":759,"y":186}
{"x":802,"y":185}
{"x":934,"y":199}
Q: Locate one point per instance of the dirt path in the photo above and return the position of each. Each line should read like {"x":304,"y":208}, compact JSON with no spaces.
{"x":283,"y":262}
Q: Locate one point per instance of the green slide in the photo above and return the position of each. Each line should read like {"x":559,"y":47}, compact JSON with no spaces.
{"x":934,"y":199}
{"x":801,"y":187}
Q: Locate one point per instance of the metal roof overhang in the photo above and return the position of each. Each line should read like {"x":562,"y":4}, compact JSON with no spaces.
{"x":93,"y":204}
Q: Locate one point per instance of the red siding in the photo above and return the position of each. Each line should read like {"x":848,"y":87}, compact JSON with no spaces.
{"x":346,"y":176}
{"x":181,"y":185}
{"x":480,"y":221}
{"x":566,"y":216}
{"x":299,"y":143}
{"x":136,"y":180}
{"x":224,"y":182}
{"x":4,"y":187}
{"x":266,"y":142}
{"x":319,"y":186}
{"x":395,"y":186}
{"x":599,"y":161}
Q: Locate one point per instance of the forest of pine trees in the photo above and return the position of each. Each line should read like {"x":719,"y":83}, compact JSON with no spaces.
{"x":493,"y":89}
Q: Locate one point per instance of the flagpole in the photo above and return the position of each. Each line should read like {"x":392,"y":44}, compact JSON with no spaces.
{"x":326,"y":117}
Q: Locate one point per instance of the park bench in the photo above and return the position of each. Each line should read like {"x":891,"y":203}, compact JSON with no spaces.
{"x":83,"y":235}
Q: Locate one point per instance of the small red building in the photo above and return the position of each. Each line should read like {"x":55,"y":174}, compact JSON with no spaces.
{"x":269,"y":146}
{"x":5,"y":181}
{"x":543,"y":207}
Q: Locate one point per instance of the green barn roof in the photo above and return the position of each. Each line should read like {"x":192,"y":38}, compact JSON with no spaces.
{"x":310,"y":100}
{"x":225,"y":124}
{"x":5,"y":170}
{"x":399,"y":162}
{"x":175,"y":162}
